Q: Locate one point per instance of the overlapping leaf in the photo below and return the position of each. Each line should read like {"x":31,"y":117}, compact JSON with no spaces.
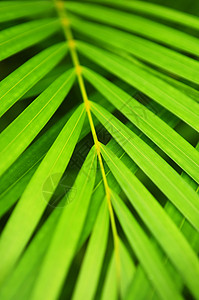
{"x":12,"y":10}
{"x":59,"y":256}
{"x":157,"y":231}
{"x":20,"y":133}
{"x":163,"y":93}
{"x":19,"y":37}
{"x":155,"y":218}
{"x":159,"y":11}
{"x":139,"y":25}
{"x":144,"y":250}
{"x":180,"y":193}
{"x":33,"y":201}
{"x":150,"y":52}
{"x":91,"y":267}
{"x":14,"y":86}
{"x":149,"y":123}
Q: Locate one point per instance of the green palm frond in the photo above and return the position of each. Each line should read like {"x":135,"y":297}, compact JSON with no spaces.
{"x":99,"y":165}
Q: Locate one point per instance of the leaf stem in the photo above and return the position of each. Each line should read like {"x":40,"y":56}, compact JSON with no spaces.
{"x":59,"y":4}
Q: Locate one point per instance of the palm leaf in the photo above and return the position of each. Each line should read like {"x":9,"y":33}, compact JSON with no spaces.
{"x":59,"y":245}
{"x":33,"y":119}
{"x":152,"y":265}
{"x":158,"y":11}
{"x":152,"y":211}
{"x":14,"y":86}
{"x":14,"y":181}
{"x":54,"y":162}
{"x":12,"y":10}
{"x":17,"y":38}
{"x":157,"y":169}
{"x":160,"y":91}
{"x":148,"y":51}
{"x":91,"y":268}
{"x":99,"y":165}
{"x":147,"y":122}
{"x":139,"y":25}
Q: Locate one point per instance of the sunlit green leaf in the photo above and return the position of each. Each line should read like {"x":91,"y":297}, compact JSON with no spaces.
{"x":108,"y":131}
{"x":148,"y":257}
{"x":159,"y":11}
{"x":19,"y":37}
{"x":22,"y":79}
{"x":89,"y":274}
{"x":157,"y":221}
{"x":174,"y":187}
{"x":11,"y":10}
{"x":150,"y":52}
{"x":139,"y":25}
{"x":166,"y":138}
{"x":38,"y":192}
{"x":20,"y":133}
{"x":59,"y":255}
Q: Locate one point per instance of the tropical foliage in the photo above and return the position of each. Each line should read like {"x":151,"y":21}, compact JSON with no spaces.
{"x":99,"y":165}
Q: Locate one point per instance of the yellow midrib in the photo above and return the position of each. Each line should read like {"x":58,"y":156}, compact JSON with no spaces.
{"x":59,"y":4}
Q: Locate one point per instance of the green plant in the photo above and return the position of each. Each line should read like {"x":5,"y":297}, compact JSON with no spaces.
{"x":99,"y":174}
